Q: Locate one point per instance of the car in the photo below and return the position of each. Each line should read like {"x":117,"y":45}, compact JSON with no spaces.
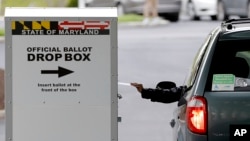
{"x":239,"y":8}
{"x":168,"y":9}
{"x":217,"y":96}
{"x":196,"y":9}
{"x":216,"y":9}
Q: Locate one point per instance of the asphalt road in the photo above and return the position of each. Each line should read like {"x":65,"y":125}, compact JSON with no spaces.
{"x":148,"y":55}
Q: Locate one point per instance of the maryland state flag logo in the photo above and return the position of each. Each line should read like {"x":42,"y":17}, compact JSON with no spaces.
{"x":22,"y":27}
{"x":60,"y":27}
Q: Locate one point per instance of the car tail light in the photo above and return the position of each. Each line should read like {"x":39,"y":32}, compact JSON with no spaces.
{"x":196,"y":115}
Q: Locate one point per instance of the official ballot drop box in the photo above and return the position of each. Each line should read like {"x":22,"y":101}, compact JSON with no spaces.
{"x":61,"y":74}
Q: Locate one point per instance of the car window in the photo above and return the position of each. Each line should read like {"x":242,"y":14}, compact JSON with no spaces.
{"x":229,"y":70}
{"x":196,"y":63}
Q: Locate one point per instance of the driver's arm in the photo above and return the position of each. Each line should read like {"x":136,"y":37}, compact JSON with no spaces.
{"x":160,"y":95}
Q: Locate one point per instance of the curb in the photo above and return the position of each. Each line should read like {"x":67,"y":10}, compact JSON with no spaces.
{"x":139,"y":24}
{"x":2,"y":114}
{"x":2,"y":39}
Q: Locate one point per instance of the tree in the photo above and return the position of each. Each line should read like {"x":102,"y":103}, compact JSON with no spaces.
{"x":73,"y":3}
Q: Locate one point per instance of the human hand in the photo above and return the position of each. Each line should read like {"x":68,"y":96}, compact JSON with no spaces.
{"x":138,"y":86}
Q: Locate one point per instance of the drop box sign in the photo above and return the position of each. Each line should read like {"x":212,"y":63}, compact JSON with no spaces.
{"x":62,"y":74}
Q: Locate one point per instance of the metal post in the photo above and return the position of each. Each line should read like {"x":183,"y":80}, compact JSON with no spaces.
{"x":81,"y":4}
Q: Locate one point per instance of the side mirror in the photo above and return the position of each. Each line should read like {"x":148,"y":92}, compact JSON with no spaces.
{"x":165,"y":85}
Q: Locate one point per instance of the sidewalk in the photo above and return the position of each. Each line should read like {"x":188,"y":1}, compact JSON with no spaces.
{"x":2,"y":38}
{"x":140,"y":23}
{"x":2,"y":114}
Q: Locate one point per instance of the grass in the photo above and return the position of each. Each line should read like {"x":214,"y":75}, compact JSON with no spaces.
{"x":30,"y":3}
{"x":130,"y":18}
{"x":1,"y":32}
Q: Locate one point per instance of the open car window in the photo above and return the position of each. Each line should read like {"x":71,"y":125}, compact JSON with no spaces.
{"x":196,"y":63}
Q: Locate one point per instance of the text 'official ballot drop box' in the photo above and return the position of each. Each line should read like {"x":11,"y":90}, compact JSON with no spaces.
{"x":61,"y":74}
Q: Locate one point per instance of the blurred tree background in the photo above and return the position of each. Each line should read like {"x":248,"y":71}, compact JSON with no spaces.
{"x":73,"y":3}
{"x":37,"y":3}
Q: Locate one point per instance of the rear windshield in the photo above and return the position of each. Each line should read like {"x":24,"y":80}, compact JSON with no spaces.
{"x":229,"y":69}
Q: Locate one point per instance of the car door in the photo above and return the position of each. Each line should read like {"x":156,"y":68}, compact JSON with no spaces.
{"x":243,"y":7}
{"x":240,"y":7}
{"x":179,"y":121}
{"x":237,"y":7}
{"x":230,"y":6}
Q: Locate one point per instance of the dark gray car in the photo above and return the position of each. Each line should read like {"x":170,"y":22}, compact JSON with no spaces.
{"x":216,"y":103}
{"x":239,"y":8}
{"x":169,"y":9}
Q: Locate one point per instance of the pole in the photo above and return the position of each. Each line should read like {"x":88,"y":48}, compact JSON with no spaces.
{"x":81,"y":4}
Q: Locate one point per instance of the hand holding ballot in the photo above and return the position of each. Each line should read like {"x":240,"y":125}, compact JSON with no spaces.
{"x":138,"y":86}
{"x":169,"y":94}
{"x":124,"y":84}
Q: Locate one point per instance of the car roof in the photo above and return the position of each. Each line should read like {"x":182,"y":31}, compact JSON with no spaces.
{"x":235,"y":29}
